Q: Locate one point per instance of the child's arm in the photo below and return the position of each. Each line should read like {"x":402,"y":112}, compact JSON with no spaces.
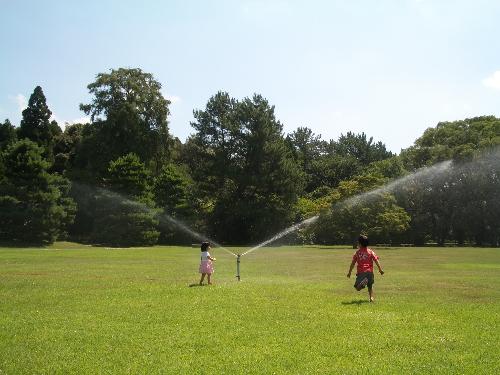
{"x":211,"y":258}
{"x":379,"y":267}
{"x":350,"y":268}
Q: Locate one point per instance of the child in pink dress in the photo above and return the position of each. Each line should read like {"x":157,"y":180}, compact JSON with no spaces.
{"x":206,"y":266}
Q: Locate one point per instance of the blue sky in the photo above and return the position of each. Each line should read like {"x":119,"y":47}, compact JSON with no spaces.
{"x":390,"y":69}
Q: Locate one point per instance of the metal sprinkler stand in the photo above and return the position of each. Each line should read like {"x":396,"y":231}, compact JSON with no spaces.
{"x":238,"y":266}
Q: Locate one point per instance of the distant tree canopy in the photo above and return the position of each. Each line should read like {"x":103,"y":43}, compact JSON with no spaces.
{"x":129,"y":115}
{"x":34,"y":204}
{"x":329,"y":163}
{"x":246,"y":173}
{"x":308,"y":150}
{"x":353,"y":210}
{"x":455,"y":202}
{"x":8,"y":134}
{"x":238,"y":178}
{"x":452,"y":140}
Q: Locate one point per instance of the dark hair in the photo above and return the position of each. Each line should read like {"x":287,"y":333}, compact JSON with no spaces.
{"x":205,"y":245}
{"x":363,"y":240}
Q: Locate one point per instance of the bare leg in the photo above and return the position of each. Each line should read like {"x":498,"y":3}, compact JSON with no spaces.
{"x":208,"y":278}
{"x":202,"y":278}
{"x":370,"y":292}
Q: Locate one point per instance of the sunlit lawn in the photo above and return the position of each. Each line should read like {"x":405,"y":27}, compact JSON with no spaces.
{"x":77,"y":309}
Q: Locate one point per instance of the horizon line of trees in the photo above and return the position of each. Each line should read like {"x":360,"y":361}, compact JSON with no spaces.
{"x":121,"y":179}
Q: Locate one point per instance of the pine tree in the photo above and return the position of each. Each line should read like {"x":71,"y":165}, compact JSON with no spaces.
{"x":125,"y":213}
{"x":35,"y":124}
{"x":7,"y":134}
{"x":243,"y":168}
{"x":34,"y":205}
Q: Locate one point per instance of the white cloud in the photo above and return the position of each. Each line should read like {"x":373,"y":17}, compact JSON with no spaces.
{"x":55,"y":118}
{"x":493,"y":81}
{"x":80,"y":120}
{"x":20,"y":100}
{"x":173,"y":99}
{"x":64,"y":123}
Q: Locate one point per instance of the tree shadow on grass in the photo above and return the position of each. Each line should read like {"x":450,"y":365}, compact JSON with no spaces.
{"x":22,"y":245}
{"x":354,"y":302}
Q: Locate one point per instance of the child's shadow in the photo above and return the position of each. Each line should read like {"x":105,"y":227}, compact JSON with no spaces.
{"x":355,"y":302}
{"x":197,"y":284}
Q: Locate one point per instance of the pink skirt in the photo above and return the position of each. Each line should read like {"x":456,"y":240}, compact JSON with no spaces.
{"x":206,"y":266}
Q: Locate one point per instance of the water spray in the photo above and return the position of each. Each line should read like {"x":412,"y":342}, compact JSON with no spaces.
{"x":274,"y":238}
{"x":288,"y":230}
{"x":436,"y":169}
{"x":424,"y":172}
{"x":197,"y":235}
{"x":179,"y":224}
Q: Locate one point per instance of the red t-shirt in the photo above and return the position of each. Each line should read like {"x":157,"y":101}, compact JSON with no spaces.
{"x":364,"y":257}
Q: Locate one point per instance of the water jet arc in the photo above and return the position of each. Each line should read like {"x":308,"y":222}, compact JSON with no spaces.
{"x":274,"y":238}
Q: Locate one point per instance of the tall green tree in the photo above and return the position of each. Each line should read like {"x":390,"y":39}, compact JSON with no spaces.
{"x":389,"y":168}
{"x":345,"y":158}
{"x":171,"y":190}
{"x":35,"y":124}
{"x":55,"y":129}
{"x":477,"y":201}
{"x":331,"y":169}
{"x":129,"y":114}
{"x":173,"y":194}
{"x":34,"y":205}
{"x":7,"y":134}
{"x":214,"y":153}
{"x":269,"y":186}
{"x":456,"y":203}
{"x":245,"y":170}
{"x":66,"y":146}
{"x":307,"y":148}
{"x":125,"y":213}
{"x":364,"y":150}
{"x":426,"y":198}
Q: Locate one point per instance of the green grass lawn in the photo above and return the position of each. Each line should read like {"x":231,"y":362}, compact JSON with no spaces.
{"x":71,"y":308}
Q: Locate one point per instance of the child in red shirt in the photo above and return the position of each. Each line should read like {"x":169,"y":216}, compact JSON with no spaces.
{"x":364,"y":275}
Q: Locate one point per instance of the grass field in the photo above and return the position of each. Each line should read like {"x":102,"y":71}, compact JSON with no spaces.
{"x":76,"y":309}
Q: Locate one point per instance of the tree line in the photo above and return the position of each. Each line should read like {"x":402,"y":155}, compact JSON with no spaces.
{"x":123,"y":179}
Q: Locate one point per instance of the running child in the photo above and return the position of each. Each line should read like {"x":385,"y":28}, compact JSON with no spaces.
{"x":364,"y":257}
{"x":206,"y":266}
